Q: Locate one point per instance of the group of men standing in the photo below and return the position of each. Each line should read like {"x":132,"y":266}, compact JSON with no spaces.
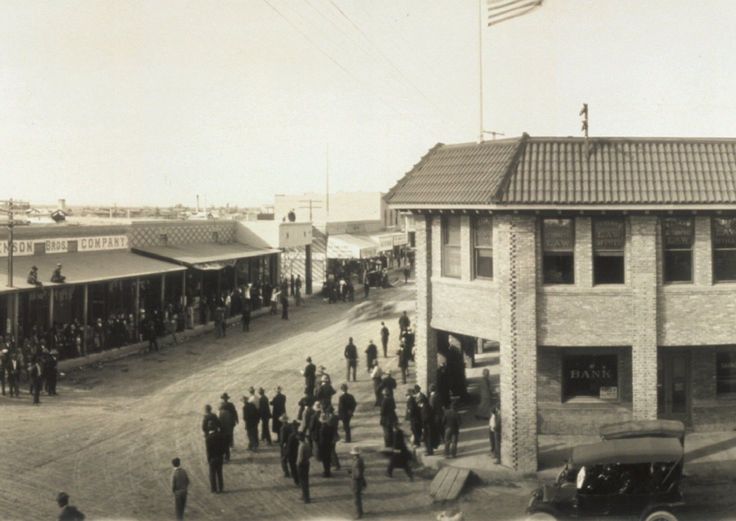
{"x":41,"y":372}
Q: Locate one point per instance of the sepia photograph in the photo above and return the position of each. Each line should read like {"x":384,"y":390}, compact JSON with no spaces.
{"x":402,"y":260}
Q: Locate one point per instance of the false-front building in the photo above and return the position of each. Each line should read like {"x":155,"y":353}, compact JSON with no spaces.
{"x":604,"y":268}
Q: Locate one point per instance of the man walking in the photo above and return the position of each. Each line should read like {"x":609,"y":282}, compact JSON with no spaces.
{"x":285,"y":431}
{"x":404,"y":322}
{"x":351,"y":358}
{"x":264,"y":413}
{"x":358,"y":483}
{"x":400,"y":455}
{"x":495,"y":431}
{"x":404,"y":357}
{"x":215,"y":451}
{"x":452,"y":428}
{"x":304,"y":454}
{"x":179,"y":486}
{"x":345,"y":409}
{"x":68,"y":512}
{"x":388,"y":418}
{"x":384,"y":339}
{"x":310,"y":377}
{"x":371,"y":354}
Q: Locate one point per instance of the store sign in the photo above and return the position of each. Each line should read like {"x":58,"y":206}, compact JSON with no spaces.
{"x":678,"y":232}
{"x":558,"y":235}
{"x":386,"y":242}
{"x":26,"y":247}
{"x":608,"y":393}
{"x":590,"y":375}
{"x":609,"y":234}
{"x":400,"y":239}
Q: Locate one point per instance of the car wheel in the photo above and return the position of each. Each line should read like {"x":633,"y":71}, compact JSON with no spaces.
{"x":660,"y":515}
{"x":541,"y":516}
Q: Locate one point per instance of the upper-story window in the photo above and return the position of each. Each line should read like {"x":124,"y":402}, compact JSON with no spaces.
{"x":724,"y":249}
{"x":451,"y":246}
{"x":677,"y":242}
{"x":558,"y":248}
{"x":483,"y":247}
{"x":609,"y":240}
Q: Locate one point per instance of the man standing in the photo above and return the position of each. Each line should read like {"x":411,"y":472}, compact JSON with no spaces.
{"x":233,"y":412}
{"x":278,"y":408}
{"x":404,"y":322}
{"x":404,"y":356}
{"x":4,"y":361}
{"x":210,"y":420}
{"x":304,"y":454}
{"x":251,"y":420}
{"x":345,"y":410}
{"x":310,"y":377}
{"x":427,"y":415}
{"x":284,"y":306}
{"x":376,"y":375}
{"x":227,"y":423}
{"x":358,"y":483}
{"x":413,"y":409}
{"x":13,"y":372}
{"x":325,"y":442}
{"x":351,"y":358}
{"x":285,"y":431}
{"x":384,"y":339}
{"x":495,"y":428}
{"x":264,"y":413}
{"x":215,"y":451}
{"x":245,"y":314}
{"x":325,"y":392}
{"x":68,"y":512}
{"x":452,"y":428}
{"x":36,"y":376}
{"x":298,"y":290}
{"x":292,"y":451}
{"x":179,"y":486}
{"x":366,"y":285}
{"x":371,"y":353}
{"x":388,"y":417}
{"x":388,"y":382}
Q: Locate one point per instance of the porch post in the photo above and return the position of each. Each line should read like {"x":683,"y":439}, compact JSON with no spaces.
{"x":85,"y":316}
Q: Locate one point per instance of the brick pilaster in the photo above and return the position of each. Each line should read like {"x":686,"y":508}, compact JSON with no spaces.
{"x":426,"y":339}
{"x":518,"y":354}
{"x":644,"y":262}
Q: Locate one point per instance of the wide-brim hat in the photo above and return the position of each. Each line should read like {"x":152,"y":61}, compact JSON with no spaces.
{"x":225,"y":396}
{"x":355,"y":451}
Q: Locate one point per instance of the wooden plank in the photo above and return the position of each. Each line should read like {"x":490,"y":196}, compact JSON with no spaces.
{"x":437,"y":481}
{"x":448,"y":483}
{"x":457,"y":486}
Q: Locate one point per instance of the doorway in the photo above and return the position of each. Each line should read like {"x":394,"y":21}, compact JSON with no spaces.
{"x":673,"y":384}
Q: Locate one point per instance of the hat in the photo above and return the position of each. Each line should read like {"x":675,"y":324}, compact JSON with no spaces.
{"x":344,"y":387}
{"x":225,"y":396}
{"x":417,"y":389}
{"x":355,"y":451}
{"x":251,"y":389}
{"x":325,"y":378}
{"x":309,"y":359}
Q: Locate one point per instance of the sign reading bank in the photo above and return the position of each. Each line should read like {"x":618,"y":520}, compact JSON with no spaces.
{"x":25,"y":247}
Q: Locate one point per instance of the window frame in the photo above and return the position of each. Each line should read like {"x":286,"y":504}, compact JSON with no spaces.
{"x":666,"y":249}
{"x":558,"y":252}
{"x":567,"y":398}
{"x":715,"y":249}
{"x":724,"y":394}
{"x":474,"y":224}
{"x":454,"y":247}
{"x":609,"y":252}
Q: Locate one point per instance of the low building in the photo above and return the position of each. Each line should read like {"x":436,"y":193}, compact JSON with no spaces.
{"x":605,"y":269}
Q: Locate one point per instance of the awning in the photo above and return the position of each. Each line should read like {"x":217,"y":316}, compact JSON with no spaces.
{"x":387,"y":240}
{"x":196,"y":254}
{"x":348,"y":246}
{"x":83,"y":267}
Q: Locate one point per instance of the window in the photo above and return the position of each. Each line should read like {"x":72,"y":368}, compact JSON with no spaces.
{"x":678,"y":248}
{"x":726,"y":373}
{"x":590,"y":376}
{"x":558,"y":244}
{"x":724,"y":249}
{"x":483,"y":247}
{"x":451,"y":246}
{"x":609,"y":238}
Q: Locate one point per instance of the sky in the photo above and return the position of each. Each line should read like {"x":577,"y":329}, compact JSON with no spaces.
{"x":152,"y":102}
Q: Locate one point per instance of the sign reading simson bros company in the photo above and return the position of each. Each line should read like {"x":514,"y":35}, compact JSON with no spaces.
{"x":23,"y":247}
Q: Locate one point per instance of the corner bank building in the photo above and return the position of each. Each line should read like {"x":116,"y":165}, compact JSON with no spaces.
{"x":604,"y":268}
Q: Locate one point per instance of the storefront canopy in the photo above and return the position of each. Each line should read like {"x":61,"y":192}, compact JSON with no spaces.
{"x":387,"y":240}
{"x":350,"y":246}
{"x":83,"y":267}
{"x":205,"y":255}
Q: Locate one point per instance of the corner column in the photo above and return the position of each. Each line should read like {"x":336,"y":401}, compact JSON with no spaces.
{"x":644,"y":278}
{"x":426,"y":339}
{"x":518,"y":340}
{"x":85,"y":317}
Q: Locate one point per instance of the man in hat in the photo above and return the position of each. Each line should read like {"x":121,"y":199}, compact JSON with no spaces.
{"x":326,"y":441}
{"x":304,"y":454}
{"x":227,"y":423}
{"x":278,"y":407}
{"x":404,"y":357}
{"x":404,"y":322}
{"x":312,"y":426}
{"x":68,"y":512}
{"x":233,"y":412}
{"x":245,"y":310}
{"x":251,"y":418}
{"x":414,"y":413}
{"x":210,"y":420}
{"x":357,"y":482}
{"x":285,"y":430}
{"x":36,"y":375}
{"x":388,"y":417}
{"x":325,"y":392}
{"x":215,"y":445}
{"x":452,"y":428}
{"x":351,"y":358}
{"x":345,"y":409}
{"x":264,"y":412}
{"x":388,"y":382}
{"x":33,"y":277}
{"x":13,"y":372}
{"x":56,"y":276}
{"x":179,"y":486}
{"x":292,"y":451}
{"x":310,"y":376}
{"x":384,"y":339}
{"x":400,"y":456}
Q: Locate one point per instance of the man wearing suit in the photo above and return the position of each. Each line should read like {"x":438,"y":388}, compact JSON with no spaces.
{"x":278,"y":408}
{"x":251,"y":419}
{"x":233,"y":411}
{"x":357,"y":473}
{"x":264,"y":413}
{"x":310,"y":377}
{"x":388,"y":418}
{"x":285,"y":431}
{"x":36,"y":375}
{"x":13,"y":372}
{"x":179,"y":486}
{"x":210,"y":420}
{"x":345,"y":409}
{"x":304,"y":454}
{"x":227,"y":423}
{"x":292,"y":451}
{"x":215,"y":449}
{"x":351,"y":358}
{"x":384,"y":339}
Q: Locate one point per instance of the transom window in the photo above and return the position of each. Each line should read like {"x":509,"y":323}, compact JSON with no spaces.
{"x":483,"y":247}
{"x":677,"y":242}
{"x":609,"y":240}
{"x":558,"y":245}
{"x":724,"y":248}
{"x":451,"y":246}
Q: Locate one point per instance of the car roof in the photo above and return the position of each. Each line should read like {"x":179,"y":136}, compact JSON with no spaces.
{"x":643,"y":428}
{"x":627,"y":451}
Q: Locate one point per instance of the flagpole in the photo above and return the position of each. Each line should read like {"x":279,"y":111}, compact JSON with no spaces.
{"x":480,"y":69}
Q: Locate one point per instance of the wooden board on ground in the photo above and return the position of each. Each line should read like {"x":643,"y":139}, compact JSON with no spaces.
{"x":448,"y":483}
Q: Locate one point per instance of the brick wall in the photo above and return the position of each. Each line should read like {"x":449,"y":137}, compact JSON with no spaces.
{"x":144,"y":233}
{"x":426,"y":340}
{"x":710,"y":412}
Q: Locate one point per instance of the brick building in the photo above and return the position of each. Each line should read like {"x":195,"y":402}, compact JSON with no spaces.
{"x":604,"y":268}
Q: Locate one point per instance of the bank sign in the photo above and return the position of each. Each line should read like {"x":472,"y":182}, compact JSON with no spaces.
{"x":25,"y":247}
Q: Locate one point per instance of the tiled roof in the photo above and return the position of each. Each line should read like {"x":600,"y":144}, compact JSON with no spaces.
{"x":572,"y":171}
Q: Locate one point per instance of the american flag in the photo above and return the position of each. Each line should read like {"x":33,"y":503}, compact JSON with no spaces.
{"x":502,"y":10}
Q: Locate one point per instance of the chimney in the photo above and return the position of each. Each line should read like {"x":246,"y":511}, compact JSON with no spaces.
{"x":62,"y":204}
{"x":197,"y":202}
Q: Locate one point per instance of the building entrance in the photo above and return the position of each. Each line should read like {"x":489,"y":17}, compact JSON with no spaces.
{"x":673,"y":384}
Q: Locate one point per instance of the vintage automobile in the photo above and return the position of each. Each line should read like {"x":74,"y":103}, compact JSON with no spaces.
{"x":644,"y":428}
{"x":629,"y":478}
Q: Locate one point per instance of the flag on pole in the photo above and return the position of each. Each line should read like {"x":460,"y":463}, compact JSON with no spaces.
{"x":502,"y":10}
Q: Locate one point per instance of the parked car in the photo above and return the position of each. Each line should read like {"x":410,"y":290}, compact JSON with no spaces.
{"x":644,"y":428}
{"x":629,"y":478}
